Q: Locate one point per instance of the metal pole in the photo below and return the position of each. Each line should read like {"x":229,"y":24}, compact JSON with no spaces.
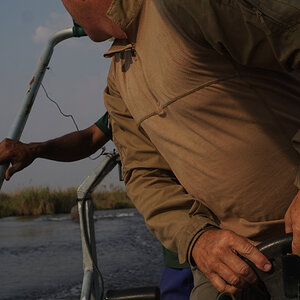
{"x":34,"y":84}
{"x":86,"y":285}
{"x":85,"y":209}
{"x":90,"y":183}
{"x":90,"y":286}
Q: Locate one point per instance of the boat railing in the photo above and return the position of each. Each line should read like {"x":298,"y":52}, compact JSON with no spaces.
{"x":18,"y":125}
{"x":91,"y":273}
{"x":90,"y":286}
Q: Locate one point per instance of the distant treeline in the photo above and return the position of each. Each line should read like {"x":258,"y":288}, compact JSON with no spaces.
{"x":35,"y":201}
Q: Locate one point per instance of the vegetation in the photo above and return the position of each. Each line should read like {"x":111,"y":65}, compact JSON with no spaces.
{"x":35,"y":201}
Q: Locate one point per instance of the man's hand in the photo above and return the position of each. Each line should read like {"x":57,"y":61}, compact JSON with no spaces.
{"x":18,"y":154}
{"x":292,"y":223}
{"x":215,"y":254}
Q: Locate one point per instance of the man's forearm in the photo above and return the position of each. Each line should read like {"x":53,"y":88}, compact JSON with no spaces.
{"x":70,"y":147}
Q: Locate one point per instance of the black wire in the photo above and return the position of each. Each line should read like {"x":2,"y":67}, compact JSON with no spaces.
{"x":84,"y":200}
{"x":103,"y":149}
{"x":65,"y":115}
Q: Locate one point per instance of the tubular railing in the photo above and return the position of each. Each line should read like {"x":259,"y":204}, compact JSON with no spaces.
{"x":18,"y":125}
{"x":90,"y":285}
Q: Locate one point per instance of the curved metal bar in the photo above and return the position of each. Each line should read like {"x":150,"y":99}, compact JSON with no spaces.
{"x":89,"y":184}
{"x":272,"y":282}
{"x":33,"y":87}
{"x":85,"y":209}
{"x":277,"y":246}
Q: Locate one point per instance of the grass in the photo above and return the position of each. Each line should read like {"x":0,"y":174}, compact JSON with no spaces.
{"x":35,"y":201}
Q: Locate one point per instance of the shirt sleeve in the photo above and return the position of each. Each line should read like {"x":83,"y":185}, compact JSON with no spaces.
{"x":103,"y":125}
{"x":170,"y":213}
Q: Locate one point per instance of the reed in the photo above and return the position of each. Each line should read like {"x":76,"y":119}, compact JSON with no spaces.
{"x":35,"y":201}
{"x":112,"y":198}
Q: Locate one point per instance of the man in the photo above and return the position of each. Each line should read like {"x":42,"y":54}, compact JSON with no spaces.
{"x":211,"y":86}
{"x":176,"y":280}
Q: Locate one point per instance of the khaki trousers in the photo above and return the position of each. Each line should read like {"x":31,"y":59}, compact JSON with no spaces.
{"x":204,"y":290}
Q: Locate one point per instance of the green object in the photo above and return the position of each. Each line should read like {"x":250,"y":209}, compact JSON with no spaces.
{"x":171,"y":260}
{"x":102,"y":124}
{"x":78,"y":31}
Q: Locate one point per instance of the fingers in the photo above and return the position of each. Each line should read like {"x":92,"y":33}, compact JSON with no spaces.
{"x":288,"y":222}
{"x":12,"y":170}
{"x":215,"y":254}
{"x":240,"y":267}
{"x":6,"y":149}
{"x":296,"y":246}
{"x":6,"y":175}
{"x":16,"y":153}
{"x":292,"y":223}
{"x":247,"y":250}
{"x":296,"y":235}
{"x":233,"y":278}
{"x":220,"y":284}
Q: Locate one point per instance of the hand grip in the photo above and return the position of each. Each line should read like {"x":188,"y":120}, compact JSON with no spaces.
{"x":276,"y":250}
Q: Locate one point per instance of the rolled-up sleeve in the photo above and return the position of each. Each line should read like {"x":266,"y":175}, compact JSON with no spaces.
{"x":170,"y":213}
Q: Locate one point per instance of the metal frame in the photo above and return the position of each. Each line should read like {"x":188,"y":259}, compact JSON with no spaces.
{"x":90,"y":285}
{"x":18,"y":125}
{"x":33,"y":87}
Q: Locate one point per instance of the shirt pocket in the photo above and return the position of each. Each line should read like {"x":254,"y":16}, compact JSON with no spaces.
{"x":280,"y":22}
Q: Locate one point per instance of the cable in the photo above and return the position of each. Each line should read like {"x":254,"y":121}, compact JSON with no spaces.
{"x":103,"y":149}
{"x":65,"y":115}
{"x":113,"y":158}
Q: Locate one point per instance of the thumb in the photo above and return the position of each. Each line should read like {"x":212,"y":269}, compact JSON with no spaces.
{"x":288,"y":222}
{"x":11,"y":171}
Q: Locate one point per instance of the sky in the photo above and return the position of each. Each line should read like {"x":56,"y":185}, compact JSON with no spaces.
{"x":76,"y":79}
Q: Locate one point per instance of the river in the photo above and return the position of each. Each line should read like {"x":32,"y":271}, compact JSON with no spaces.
{"x":40,"y":258}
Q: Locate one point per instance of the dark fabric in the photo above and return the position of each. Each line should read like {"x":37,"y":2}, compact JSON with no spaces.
{"x":175,"y":284}
{"x":102,"y":124}
{"x":171,"y":260}
{"x":254,"y":292}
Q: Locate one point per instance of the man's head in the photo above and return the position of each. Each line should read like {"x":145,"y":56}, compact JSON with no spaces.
{"x":91,"y":15}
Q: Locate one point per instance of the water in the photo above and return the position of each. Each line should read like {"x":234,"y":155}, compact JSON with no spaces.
{"x":40,"y":258}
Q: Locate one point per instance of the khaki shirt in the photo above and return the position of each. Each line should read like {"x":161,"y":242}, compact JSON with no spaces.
{"x":177,"y":101}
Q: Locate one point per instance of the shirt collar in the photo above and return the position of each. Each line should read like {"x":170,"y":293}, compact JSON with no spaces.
{"x":124,"y":12}
{"x":118,"y":46}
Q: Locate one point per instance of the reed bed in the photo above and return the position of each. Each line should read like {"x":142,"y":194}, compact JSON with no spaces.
{"x":35,"y":201}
